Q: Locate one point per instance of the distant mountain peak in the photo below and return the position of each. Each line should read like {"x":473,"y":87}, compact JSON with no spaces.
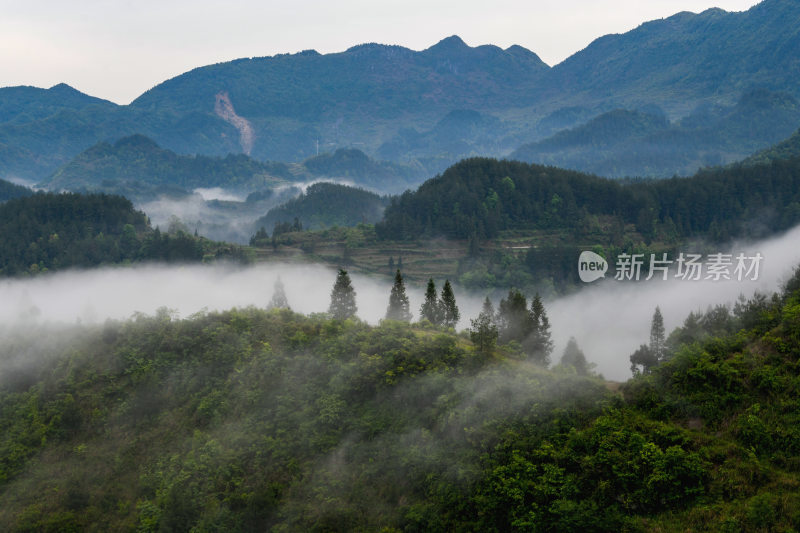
{"x":383,"y":51}
{"x":523,"y":53}
{"x":714,"y":11}
{"x":63,"y":87}
{"x":454,"y":42}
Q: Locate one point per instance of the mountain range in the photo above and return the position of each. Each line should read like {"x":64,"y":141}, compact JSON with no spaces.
{"x":137,"y":167}
{"x":433,"y":107}
{"x":623,"y":143}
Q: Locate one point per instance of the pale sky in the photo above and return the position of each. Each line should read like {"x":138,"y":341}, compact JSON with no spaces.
{"x":117,"y":49}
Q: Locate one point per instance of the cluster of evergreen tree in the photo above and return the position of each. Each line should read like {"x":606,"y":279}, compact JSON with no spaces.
{"x":480,"y":197}
{"x":515,"y":322}
{"x":283,"y":227}
{"x":10,"y":190}
{"x":754,"y":313}
{"x":441,"y":311}
{"x":48,"y":231}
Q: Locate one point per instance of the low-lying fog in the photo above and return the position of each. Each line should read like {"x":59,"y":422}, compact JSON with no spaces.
{"x":609,"y":319}
{"x":222,"y":214}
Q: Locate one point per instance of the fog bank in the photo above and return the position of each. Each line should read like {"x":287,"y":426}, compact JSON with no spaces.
{"x":609,"y":319}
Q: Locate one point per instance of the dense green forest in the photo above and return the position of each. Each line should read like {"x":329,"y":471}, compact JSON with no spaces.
{"x":787,"y":149}
{"x":55,"y":231}
{"x":10,"y":190}
{"x":325,"y":205}
{"x":268,"y":420}
{"x":480,"y":197}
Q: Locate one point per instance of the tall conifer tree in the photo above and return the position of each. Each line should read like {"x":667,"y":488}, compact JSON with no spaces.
{"x":449,"y":309}
{"x":343,"y":297}
{"x":430,"y":307}
{"x":398,"y":301}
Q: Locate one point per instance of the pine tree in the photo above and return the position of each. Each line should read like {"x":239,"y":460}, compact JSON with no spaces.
{"x":447,"y":304}
{"x":279,"y":300}
{"x":657,"y":335}
{"x":343,"y":297}
{"x":430,"y":309}
{"x":539,"y":343}
{"x":513,"y":318}
{"x":391,"y":264}
{"x":573,"y":356}
{"x":398,"y":301}
{"x":483,"y":332}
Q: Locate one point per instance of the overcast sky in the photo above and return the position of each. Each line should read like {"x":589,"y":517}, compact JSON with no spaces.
{"x":117,"y":49}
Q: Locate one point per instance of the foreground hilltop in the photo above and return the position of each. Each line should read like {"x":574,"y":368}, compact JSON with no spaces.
{"x":257,"y":420}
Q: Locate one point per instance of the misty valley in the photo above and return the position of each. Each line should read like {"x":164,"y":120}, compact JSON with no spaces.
{"x":454,"y":289}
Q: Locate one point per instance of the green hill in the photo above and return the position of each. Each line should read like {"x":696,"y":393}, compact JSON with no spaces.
{"x":138,"y":161}
{"x":684,"y":59}
{"x":21,"y":105}
{"x":324,"y":205}
{"x":44,"y":232}
{"x":787,"y":149}
{"x":481,"y":197}
{"x":251,"y":420}
{"x":9,"y":191}
{"x":138,"y":168}
{"x":375,"y":79}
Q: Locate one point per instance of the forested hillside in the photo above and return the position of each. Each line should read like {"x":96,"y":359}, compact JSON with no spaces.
{"x":480,"y":197}
{"x":254,"y":420}
{"x":787,"y":149}
{"x":324,"y":205}
{"x":136,"y":167}
{"x":57,"y":231}
{"x":10,"y":190}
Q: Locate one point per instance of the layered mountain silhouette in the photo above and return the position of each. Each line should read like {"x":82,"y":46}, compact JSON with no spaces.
{"x":639,"y":143}
{"x":432,"y":107}
{"x":137,"y":167}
